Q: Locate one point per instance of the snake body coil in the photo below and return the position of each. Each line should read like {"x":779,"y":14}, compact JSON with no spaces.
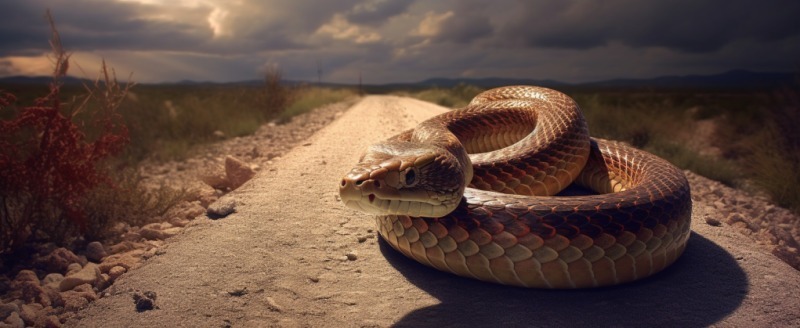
{"x":471,"y":192}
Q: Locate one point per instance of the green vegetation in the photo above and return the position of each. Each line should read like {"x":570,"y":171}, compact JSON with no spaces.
{"x":166,"y":121}
{"x":754,"y":132}
{"x":310,"y":98}
{"x":458,"y":96}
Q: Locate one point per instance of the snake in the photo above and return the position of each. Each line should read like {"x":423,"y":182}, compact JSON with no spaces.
{"x":482,"y":192}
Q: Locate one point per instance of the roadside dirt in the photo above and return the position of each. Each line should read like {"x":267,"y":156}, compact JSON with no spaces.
{"x":293,"y":256}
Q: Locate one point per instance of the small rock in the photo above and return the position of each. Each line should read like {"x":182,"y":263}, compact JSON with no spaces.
{"x":7,"y":309}
{"x":90,"y":274}
{"x":78,"y":298}
{"x":362,"y":239}
{"x":95,"y":251}
{"x":14,"y":321}
{"x":26,"y":276}
{"x":127,"y":260}
{"x":352,"y":256}
{"x":713,"y":221}
{"x":73,"y":268}
{"x":222,"y":207}
{"x":27,"y":283}
{"x":29,"y":312}
{"x":144,"y":301}
{"x":59,"y":259}
{"x":219,"y":134}
{"x":53,"y":280}
{"x":45,"y":320}
{"x":116,"y":272}
{"x":238,"y":292}
{"x":237,"y":172}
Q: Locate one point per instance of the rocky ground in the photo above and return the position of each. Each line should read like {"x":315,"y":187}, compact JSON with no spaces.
{"x":63,"y":282}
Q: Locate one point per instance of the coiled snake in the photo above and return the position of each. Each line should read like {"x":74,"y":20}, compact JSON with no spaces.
{"x":471,"y":192}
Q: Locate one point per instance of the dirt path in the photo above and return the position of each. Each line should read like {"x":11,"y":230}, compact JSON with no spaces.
{"x":282,"y":260}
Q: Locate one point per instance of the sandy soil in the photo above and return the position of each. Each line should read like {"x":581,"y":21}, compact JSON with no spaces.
{"x":282,"y":260}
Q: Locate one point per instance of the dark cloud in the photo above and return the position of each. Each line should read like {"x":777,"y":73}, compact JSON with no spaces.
{"x":683,"y":25}
{"x":94,"y":24}
{"x":406,"y":40}
{"x":469,"y":22}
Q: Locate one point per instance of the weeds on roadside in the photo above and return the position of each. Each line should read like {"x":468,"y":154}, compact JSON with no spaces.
{"x":47,"y":163}
{"x":776,"y":150}
{"x":455,"y":97}
{"x":56,"y":180}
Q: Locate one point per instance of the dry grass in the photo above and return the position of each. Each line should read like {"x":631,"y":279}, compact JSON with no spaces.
{"x":456,"y":97}
{"x":775,"y":150}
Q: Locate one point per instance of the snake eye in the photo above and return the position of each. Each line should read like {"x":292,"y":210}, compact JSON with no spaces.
{"x":411,"y":177}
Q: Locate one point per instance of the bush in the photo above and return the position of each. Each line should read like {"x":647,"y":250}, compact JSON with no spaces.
{"x":47,"y":163}
{"x":276,"y":96}
{"x":776,"y":150}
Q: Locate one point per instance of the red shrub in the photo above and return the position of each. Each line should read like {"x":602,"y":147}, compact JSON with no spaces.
{"x":47,"y":165}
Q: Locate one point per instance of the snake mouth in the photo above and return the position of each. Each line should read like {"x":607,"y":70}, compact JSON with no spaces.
{"x":365,"y":196}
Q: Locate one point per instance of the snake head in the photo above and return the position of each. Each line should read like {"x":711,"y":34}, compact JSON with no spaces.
{"x":404,"y":178}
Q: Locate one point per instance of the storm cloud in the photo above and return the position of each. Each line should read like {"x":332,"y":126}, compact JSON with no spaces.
{"x":405,"y":40}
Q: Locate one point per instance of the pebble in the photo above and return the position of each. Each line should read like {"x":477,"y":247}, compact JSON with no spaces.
{"x":714,"y":222}
{"x":15,"y":321}
{"x":7,"y":309}
{"x":53,"y":280}
{"x":95,"y":251}
{"x":222,"y":207}
{"x":351,"y":256}
{"x":144,"y":301}
{"x":90,"y":274}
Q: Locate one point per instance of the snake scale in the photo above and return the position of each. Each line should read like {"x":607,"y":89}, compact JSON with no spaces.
{"x":471,"y":192}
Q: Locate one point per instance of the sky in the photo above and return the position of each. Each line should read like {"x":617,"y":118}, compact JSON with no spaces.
{"x":402,"y":40}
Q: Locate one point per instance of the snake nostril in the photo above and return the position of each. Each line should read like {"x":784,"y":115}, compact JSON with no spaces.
{"x":377,"y":184}
{"x":344,"y":182}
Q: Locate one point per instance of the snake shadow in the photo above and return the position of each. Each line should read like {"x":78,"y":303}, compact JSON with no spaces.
{"x":703,"y":286}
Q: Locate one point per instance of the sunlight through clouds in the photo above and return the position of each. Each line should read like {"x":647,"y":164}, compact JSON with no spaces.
{"x":405,"y":40}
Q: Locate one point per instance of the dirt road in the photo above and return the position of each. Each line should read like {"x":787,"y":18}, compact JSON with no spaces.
{"x":294,"y":256}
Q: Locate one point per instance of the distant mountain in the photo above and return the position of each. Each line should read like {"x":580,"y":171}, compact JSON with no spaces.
{"x":40,"y":80}
{"x":488,"y":82}
{"x":736,"y":79}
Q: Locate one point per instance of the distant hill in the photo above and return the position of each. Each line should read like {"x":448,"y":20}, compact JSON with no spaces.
{"x":736,"y":79}
{"x":40,"y":80}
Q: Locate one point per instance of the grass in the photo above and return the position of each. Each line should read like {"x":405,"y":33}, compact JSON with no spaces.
{"x":167,"y":121}
{"x":456,"y":97}
{"x":315,"y":97}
